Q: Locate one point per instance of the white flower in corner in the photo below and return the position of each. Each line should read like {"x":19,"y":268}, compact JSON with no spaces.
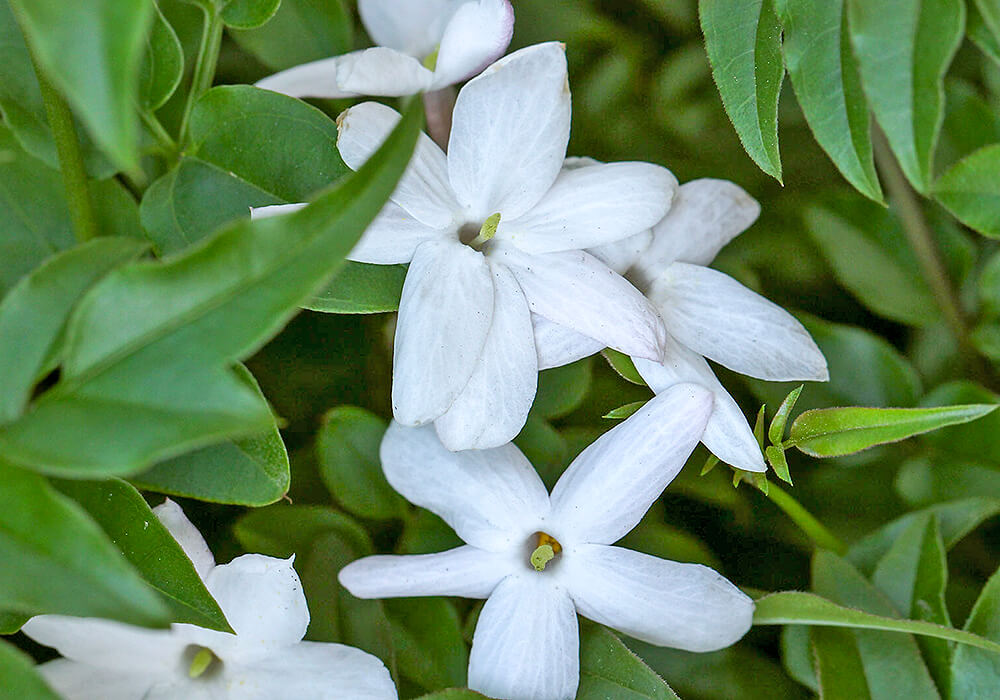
{"x":423,"y":45}
{"x":540,"y":559}
{"x":492,"y":231}
{"x":707,"y":313}
{"x":263,"y":601}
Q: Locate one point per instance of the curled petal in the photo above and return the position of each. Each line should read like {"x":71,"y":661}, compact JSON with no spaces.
{"x":477,"y":34}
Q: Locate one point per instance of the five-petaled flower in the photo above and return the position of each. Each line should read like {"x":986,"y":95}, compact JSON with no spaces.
{"x":540,"y":559}
{"x":494,"y":231}
{"x":263,"y":601}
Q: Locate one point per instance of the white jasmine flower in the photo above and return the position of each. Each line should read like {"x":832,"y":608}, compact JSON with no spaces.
{"x":423,"y":45}
{"x":707,"y":313}
{"x":540,"y":559}
{"x":492,"y":232}
{"x":263,"y":601}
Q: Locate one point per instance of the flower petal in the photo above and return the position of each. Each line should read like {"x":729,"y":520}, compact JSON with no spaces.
{"x":608,"y":488}
{"x":705,"y":216}
{"x":313,"y":79}
{"x":527,"y":642}
{"x":392,"y":237}
{"x":728,"y":434}
{"x":493,"y":406}
{"x":621,"y":255}
{"x":412,"y":27}
{"x":557,"y":345}
{"x":509,"y":133}
{"x":376,"y":71}
{"x":685,"y":606}
{"x":78,"y":681}
{"x":423,"y":190}
{"x":477,"y":34}
{"x":593,"y":205}
{"x":577,"y":290}
{"x":444,"y":317}
{"x":274,"y":210}
{"x":187,"y":536}
{"x":492,"y":498}
{"x":718,"y":317}
{"x":468,"y":572}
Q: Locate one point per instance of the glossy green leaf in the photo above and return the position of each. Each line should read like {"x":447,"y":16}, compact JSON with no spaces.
{"x":976,"y":673}
{"x":904,"y":48}
{"x":247,"y":14}
{"x":825,"y":76}
{"x":561,"y":390}
{"x":427,"y":636}
{"x":832,"y":432}
{"x":743,"y":39}
{"x":129,"y":522}
{"x":971,"y":190}
{"x":18,"y":676}
{"x":347,"y":450}
{"x":776,"y":431}
{"x":300,"y":31}
{"x":162,"y":65}
{"x":142,"y":381}
{"x":57,"y":560}
{"x":361,"y":288}
{"x":609,"y":669}
{"x":623,"y":365}
{"x":91,"y":50}
{"x":840,"y":672}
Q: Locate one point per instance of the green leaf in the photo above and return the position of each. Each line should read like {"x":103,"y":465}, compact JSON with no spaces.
{"x":825,"y":76}
{"x":623,"y":412}
{"x":653,"y":536}
{"x":984,"y":35}
{"x":989,"y":10}
{"x":453,"y":694}
{"x":608,"y":669}
{"x":743,"y":39}
{"x":427,"y":636}
{"x":904,"y":48}
{"x":144,"y":381}
{"x":975,"y":674}
{"x":91,"y":50}
{"x":970,"y":190}
{"x":361,"y":288}
{"x":57,"y":560}
{"x":776,"y":431}
{"x":162,"y":66}
{"x":776,"y":458}
{"x":33,"y":315}
{"x":347,"y":450}
{"x":129,"y":522}
{"x":18,"y":676}
{"x":933,"y":478}
{"x":832,"y":432}
{"x":283,"y":530}
{"x":623,"y":365}
{"x":425,"y":533}
{"x":561,"y":390}
{"x":840,"y":672}
{"x":247,"y":14}
{"x":975,"y":443}
{"x":12,"y":622}
{"x":300,"y":31}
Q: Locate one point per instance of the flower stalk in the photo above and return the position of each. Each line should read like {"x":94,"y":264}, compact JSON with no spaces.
{"x":205,"y":63}
{"x":806,"y":521}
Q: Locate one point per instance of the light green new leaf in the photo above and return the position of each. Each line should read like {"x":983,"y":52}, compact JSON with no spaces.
{"x":91,"y":50}
{"x":18,"y":676}
{"x":300,"y":31}
{"x":825,"y":76}
{"x":162,"y":65}
{"x":623,"y":412}
{"x":904,"y":48}
{"x":975,"y":673}
{"x":970,"y":190}
{"x":609,"y":669}
{"x":247,"y":14}
{"x":832,"y":432}
{"x":143,"y":381}
{"x":743,"y":39}
{"x":623,"y":365}
{"x":57,"y":560}
{"x":427,"y":636}
{"x":776,"y":431}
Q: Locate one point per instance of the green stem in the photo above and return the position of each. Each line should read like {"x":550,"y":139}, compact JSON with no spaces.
{"x":816,"y":531}
{"x":205,"y":63}
{"x":162,"y":136}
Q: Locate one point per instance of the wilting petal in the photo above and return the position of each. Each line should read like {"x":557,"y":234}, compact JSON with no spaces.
{"x":509,"y":133}
{"x":423,"y":191}
{"x":445,"y":314}
{"x":592,"y":206}
{"x":393,"y":237}
{"x":577,"y":290}
{"x":705,"y":216}
{"x":187,"y":536}
{"x":466,"y":571}
{"x":527,"y":641}
{"x":413,"y":27}
{"x":621,"y":255}
{"x":685,"y":606}
{"x":718,"y":317}
{"x":610,"y":486}
{"x":78,"y":681}
{"x":493,"y":406}
{"x":492,"y":498}
{"x":557,"y":345}
{"x":477,"y":34}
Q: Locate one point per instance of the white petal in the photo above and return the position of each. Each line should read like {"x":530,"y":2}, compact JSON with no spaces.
{"x":728,"y":434}
{"x":465,"y":571}
{"x":577,"y":290}
{"x":392,"y":237}
{"x":509,"y":133}
{"x":492,"y":498}
{"x":557,"y":345}
{"x":76,"y":681}
{"x":705,"y":216}
{"x":377,"y":71}
{"x":187,"y":536}
{"x":527,"y":642}
{"x":718,"y":317}
{"x":423,"y":191}
{"x":444,"y":316}
{"x":412,"y":26}
{"x":685,"y":606}
{"x":592,"y":206}
{"x":477,"y":34}
{"x":493,"y":406}
{"x":274,"y":210}
{"x":610,"y":486}
{"x":313,"y":79}
{"x":312,"y":670}
{"x":621,"y":255}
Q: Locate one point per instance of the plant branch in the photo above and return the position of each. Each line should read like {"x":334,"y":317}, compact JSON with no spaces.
{"x":205,"y":63}
{"x":806,"y":521}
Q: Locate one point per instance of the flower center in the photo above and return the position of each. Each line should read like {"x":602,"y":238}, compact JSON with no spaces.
{"x":470,"y":237}
{"x":202,"y":661}
{"x":547,"y":549}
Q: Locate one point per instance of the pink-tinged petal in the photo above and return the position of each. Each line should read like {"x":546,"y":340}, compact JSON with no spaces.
{"x":492,"y":498}
{"x":557,"y":345}
{"x":477,"y":34}
{"x":412,"y":26}
{"x":509,"y":133}
{"x":445,"y":314}
{"x":611,"y":484}
{"x":527,"y":642}
{"x":467,"y":572}
{"x":622,"y":255}
{"x":716,"y":316}
{"x":685,"y":606}
{"x":187,"y":536}
{"x":77,"y":681}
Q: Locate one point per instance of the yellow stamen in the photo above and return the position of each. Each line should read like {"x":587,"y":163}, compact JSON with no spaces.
{"x":200,"y":663}
{"x":487,"y":231}
{"x":542,"y":555}
{"x":430,"y":63}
